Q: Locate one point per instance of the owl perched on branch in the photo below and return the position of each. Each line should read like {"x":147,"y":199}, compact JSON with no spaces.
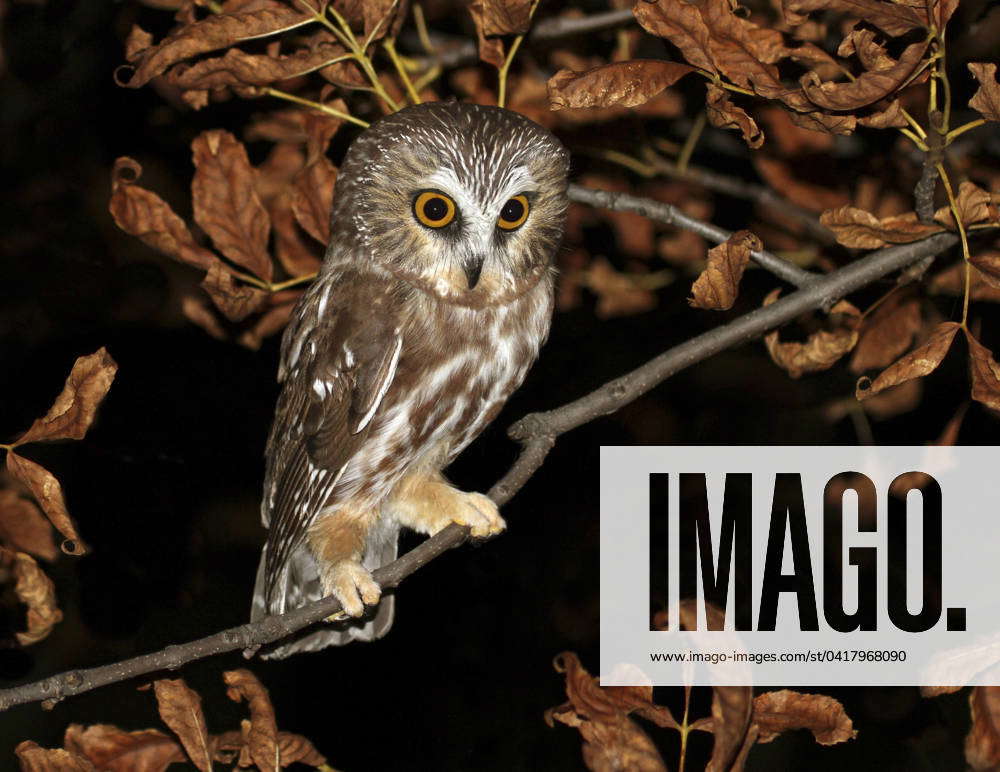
{"x":431,"y":305}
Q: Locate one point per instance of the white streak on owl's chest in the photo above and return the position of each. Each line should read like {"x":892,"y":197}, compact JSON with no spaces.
{"x":428,"y":419}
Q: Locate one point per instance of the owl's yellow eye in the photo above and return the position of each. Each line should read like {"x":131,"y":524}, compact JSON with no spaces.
{"x":514,"y":213}
{"x":433,"y":209}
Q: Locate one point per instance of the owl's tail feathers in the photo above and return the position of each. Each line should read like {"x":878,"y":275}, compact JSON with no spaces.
{"x":299,"y":585}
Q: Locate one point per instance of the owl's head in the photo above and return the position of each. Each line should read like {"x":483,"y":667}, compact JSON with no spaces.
{"x":465,"y":202}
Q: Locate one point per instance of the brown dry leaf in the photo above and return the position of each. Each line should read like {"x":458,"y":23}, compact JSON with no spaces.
{"x":312,"y":197}
{"x":622,"y":83}
{"x":868,"y":87}
{"x":198,"y":311}
{"x":731,"y":710}
{"x":506,"y":17}
{"x":973,"y":204}
{"x":269,"y":323}
{"x":48,"y":493}
{"x":793,"y":140}
{"x":886,"y":116}
{"x":295,"y":749}
{"x":718,"y":285}
{"x":612,"y":741}
{"x":988,"y":266}
{"x":209,"y":34}
{"x":34,"y":758}
{"x":491,"y":49}
{"x":36,"y":591}
{"x":923,"y":360}
{"x":180,"y":709}
{"x":617,"y":293}
{"x":982,"y":744}
{"x":985,"y":373}
{"x":781,"y":711}
{"x":886,"y":334}
{"x":822,"y":349}
{"x":114,"y":750}
{"x":235,"y":301}
{"x":74,"y":409}
{"x":226,"y":204}
{"x":383,"y":17}
{"x":951,"y":281}
{"x":987,"y":99}
{"x":142,"y":213}
{"x":262,"y":739}
{"x":723,"y":114}
{"x":828,"y":124}
{"x":892,"y":18}
{"x":238,"y":68}
{"x":23,"y":527}
{"x":855,"y":227}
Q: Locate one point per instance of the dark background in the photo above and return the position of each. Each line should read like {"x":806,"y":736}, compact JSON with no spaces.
{"x":165,"y":487}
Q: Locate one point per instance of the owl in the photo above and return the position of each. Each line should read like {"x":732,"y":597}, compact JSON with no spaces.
{"x":434,"y":297}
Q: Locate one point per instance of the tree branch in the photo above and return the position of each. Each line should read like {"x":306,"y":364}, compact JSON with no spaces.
{"x":537,"y":433}
{"x":671,"y":215}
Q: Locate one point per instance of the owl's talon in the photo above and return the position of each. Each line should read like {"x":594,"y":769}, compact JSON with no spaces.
{"x":481,"y":515}
{"x":350,"y":583}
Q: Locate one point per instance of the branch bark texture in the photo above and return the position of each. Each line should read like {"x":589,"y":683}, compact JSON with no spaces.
{"x":537,"y":433}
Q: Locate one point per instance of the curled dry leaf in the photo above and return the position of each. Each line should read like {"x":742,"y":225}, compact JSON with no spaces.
{"x":951,"y":281}
{"x":180,"y":709}
{"x":822,"y":349}
{"x":238,"y":68}
{"x":23,"y":527}
{"x":235,"y":301}
{"x":210,"y":34}
{"x":986,"y":100}
{"x":612,"y":740}
{"x":982,"y":744}
{"x":855,"y":227}
{"x":886,"y":334}
{"x":628,"y":84}
{"x":36,"y":591}
{"x":144,"y":214}
{"x":731,"y":710}
{"x":48,"y":493}
{"x":924,"y":359}
{"x":226,"y":204}
{"x":868,"y":87}
{"x":491,"y":49}
{"x":718,"y":285}
{"x":723,"y":114}
{"x":34,"y":758}
{"x":74,"y":409}
{"x":973,"y":203}
{"x":506,"y":17}
{"x":781,"y":711}
{"x":262,"y":738}
{"x":985,"y":373}
{"x":988,"y":266}
{"x":892,"y":18}
{"x":112,"y":749}
{"x":295,"y":749}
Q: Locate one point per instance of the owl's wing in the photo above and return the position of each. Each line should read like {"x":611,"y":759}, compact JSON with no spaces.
{"x":336,"y":371}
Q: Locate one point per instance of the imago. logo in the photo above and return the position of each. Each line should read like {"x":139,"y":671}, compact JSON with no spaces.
{"x":801,"y":565}
{"x":733,"y":544}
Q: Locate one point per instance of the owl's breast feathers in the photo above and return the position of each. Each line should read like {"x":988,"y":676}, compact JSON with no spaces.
{"x":380,"y":380}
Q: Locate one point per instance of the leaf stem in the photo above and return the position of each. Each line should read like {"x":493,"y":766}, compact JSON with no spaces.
{"x":690,"y":141}
{"x":953,"y":206}
{"x":505,"y":67}
{"x":289,"y":283}
{"x":390,"y":47}
{"x":954,"y":133}
{"x":316,"y":106}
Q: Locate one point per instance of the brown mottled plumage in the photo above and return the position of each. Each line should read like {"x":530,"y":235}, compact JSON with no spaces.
{"x":404,"y":349}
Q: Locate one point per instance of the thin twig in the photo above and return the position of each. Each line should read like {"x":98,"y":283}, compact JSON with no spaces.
{"x":537,"y":433}
{"x":671,"y":215}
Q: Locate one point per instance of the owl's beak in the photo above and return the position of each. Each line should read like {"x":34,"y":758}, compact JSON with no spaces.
{"x":473,"y":267}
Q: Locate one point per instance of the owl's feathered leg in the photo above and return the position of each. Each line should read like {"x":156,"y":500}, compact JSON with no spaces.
{"x":337,"y":542}
{"x":427,"y":503}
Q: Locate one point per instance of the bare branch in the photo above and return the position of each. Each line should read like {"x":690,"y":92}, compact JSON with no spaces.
{"x":537,"y":432}
{"x":671,"y":215}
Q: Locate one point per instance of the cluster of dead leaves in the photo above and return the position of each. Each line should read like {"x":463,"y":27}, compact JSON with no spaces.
{"x":613,"y":739}
{"x":858,"y":84}
{"x":275,"y":214}
{"x":256,"y":744}
{"x":29,"y":490}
